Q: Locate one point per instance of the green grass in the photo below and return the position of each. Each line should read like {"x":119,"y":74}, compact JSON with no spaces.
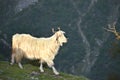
{"x":30,"y":72}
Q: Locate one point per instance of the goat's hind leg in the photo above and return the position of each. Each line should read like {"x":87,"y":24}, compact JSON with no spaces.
{"x":12,"y":59}
{"x":18,"y":60}
{"x":20,"y":65}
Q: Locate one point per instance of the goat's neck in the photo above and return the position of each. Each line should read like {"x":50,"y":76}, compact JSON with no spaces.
{"x":55,"y":44}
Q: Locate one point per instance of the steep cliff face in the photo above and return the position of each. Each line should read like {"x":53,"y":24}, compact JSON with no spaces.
{"x":90,"y":51}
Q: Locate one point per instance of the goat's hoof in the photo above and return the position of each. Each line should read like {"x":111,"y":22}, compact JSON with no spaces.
{"x":57,"y":73}
{"x":21,"y":67}
{"x":11,"y":63}
{"x":42,"y":71}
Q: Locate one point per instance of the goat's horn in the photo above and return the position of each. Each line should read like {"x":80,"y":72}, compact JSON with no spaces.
{"x":58,"y":28}
{"x":53,"y":30}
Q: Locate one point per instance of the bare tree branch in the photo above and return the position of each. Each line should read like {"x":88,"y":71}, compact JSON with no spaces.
{"x":113,"y":30}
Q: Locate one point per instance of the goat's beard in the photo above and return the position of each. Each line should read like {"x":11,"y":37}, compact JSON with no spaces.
{"x":60,"y":43}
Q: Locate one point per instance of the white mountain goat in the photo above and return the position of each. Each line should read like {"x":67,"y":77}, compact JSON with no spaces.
{"x":43,"y":49}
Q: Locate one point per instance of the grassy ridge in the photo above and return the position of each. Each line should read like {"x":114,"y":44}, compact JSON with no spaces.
{"x":31,"y":72}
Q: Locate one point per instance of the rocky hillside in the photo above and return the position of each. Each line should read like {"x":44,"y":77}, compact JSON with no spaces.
{"x":30,"y":72}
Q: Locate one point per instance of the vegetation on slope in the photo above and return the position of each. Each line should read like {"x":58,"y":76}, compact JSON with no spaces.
{"x":30,"y":72}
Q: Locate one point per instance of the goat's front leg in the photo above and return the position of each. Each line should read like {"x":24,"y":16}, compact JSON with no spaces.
{"x":41,"y":66}
{"x":51,"y":65}
{"x":55,"y":71}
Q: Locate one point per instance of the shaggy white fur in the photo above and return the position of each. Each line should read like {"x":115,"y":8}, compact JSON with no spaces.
{"x":44,"y":49}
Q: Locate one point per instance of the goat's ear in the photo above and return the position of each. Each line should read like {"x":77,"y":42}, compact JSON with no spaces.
{"x":57,"y":36}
